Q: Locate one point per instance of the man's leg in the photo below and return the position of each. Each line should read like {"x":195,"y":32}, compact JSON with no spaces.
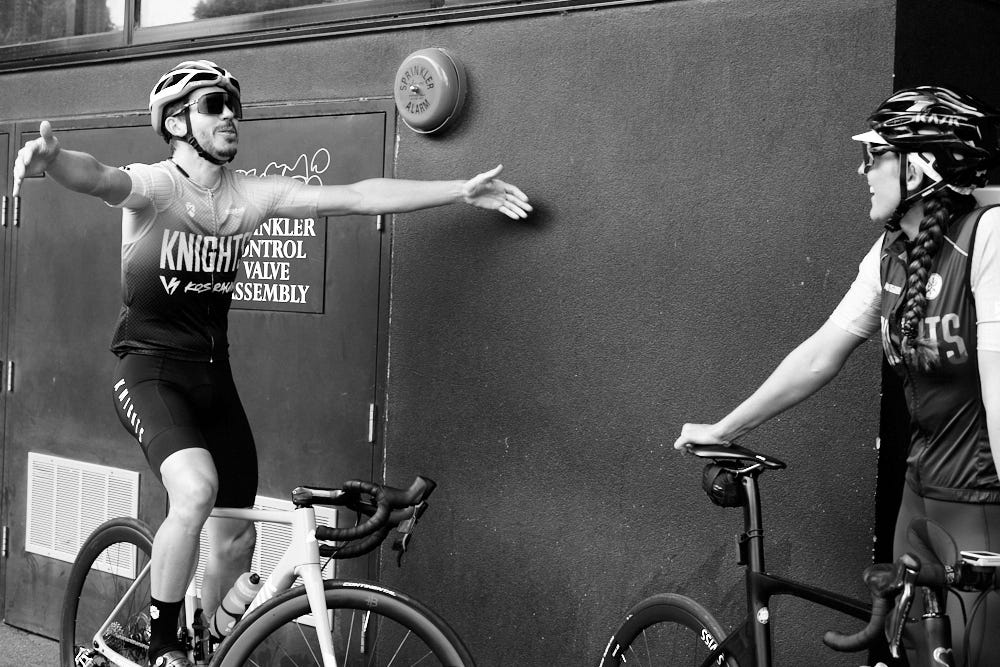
{"x":231,"y":543}
{"x":190,"y":480}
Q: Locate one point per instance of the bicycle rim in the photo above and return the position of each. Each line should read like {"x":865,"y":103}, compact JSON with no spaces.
{"x":104,"y":570}
{"x":372,"y":627}
{"x":666,"y":630}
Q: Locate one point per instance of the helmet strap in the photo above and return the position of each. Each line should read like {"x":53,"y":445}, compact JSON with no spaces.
{"x":907,"y":200}
{"x":202,"y":153}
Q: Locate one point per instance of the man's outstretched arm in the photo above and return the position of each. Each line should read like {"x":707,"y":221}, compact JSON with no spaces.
{"x":77,"y":171}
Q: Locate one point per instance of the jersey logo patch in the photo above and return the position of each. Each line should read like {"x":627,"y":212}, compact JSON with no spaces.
{"x":171,"y":286}
{"x":190,"y":208}
{"x":934,"y":284}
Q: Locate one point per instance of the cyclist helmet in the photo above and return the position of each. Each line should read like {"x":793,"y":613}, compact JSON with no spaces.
{"x":178,"y":83}
{"x":951,"y":137}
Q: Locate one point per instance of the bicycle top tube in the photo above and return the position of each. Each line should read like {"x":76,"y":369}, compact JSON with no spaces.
{"x":735,"y":453}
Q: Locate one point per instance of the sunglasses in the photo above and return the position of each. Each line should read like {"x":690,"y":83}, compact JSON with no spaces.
{"x":872,"y":151}
{"x":213,"y":104}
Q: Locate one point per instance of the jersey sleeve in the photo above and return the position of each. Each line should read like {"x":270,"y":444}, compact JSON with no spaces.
{"x":984,"y":278}
{"x":150,"y":184}
{"x":289,"y":198}
{"x":860,"y":311}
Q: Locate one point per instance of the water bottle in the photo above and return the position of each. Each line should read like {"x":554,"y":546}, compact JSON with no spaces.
{"x":234,"y":604}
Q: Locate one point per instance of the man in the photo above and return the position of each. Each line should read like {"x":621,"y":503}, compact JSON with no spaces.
{"x":173,"y":387}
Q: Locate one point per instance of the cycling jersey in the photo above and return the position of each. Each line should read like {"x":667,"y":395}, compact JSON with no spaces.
{"x":949,"y":457}
{"x":181,"y":249}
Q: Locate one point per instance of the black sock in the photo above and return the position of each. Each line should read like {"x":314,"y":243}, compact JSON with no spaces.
{"x":163,"y":617}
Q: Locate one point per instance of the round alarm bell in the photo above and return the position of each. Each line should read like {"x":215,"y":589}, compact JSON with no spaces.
{"x":430,"y":90}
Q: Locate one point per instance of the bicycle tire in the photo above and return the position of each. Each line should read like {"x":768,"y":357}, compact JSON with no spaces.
{"x":398,"y":631}
{"x":666,"y":629}
{"x":122,"y":545}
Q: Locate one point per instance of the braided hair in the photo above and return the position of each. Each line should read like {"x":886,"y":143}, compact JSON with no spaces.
{"x":940,"y":210}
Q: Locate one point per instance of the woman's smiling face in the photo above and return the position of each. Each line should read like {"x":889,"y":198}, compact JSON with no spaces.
{"x":881,"y":168}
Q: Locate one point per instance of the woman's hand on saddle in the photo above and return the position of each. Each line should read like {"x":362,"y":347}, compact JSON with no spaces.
{"x":699,"y":434}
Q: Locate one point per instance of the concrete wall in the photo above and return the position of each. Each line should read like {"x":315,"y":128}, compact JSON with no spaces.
{"x":698,"y":214}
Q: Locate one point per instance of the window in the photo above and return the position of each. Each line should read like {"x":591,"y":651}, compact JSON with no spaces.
{"x":153,"y":14}
{"x":24,"y":21}
{"x":50,"y":33}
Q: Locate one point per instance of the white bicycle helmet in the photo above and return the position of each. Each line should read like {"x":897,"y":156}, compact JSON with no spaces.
{"x":180,"y":81}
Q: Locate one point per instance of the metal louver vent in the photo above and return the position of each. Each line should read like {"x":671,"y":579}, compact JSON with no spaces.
{"x":68,"y":499}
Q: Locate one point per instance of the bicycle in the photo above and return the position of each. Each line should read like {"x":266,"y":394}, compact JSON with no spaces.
{"x":105,"y":621}
{"x":671,"y":629}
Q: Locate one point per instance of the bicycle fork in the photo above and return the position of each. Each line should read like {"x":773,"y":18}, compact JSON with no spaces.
{"x":937,"y":631}
{"x":302,"y":561}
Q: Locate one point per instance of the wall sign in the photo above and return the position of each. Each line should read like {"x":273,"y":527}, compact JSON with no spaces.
{"x":283,"y":266}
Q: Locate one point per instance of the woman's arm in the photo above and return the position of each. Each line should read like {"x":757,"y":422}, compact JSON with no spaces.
{"x":809,"y":367}
{"x":986,"y":289}
{"x":989,"y":378}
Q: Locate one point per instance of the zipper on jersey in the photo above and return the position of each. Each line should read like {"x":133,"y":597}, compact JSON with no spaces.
{"x":211,"y":293}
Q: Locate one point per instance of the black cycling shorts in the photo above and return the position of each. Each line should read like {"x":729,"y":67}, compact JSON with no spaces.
{"x":974,"y":527}
{"x":168,"y":405}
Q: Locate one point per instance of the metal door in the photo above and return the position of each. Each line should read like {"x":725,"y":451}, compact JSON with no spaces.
{"x":6,"y":211}
{"x":64,"y":278}
{"x":306,"y":378}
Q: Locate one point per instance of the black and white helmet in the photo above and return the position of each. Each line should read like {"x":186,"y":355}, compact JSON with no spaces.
{"x":954,"y":137}
{"x":180,"y":81}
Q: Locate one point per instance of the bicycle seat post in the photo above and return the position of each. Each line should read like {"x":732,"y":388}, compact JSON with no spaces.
{"x":751,"y":549}
{"x":751,"y":542}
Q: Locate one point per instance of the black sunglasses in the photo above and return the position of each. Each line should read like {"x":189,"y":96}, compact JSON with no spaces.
{"x":213,"y":104}
{"x":872,"y":151}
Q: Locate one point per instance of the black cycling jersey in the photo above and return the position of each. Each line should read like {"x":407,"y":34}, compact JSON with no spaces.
{"x":182,"y":253}
{"x":950,"y":457}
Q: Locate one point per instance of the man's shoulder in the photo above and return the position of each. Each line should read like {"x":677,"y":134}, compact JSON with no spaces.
{"x":273,"y":184}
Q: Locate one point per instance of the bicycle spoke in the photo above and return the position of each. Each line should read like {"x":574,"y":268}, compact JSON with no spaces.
{"x":369,"y":629}
{"x":308,"y":645}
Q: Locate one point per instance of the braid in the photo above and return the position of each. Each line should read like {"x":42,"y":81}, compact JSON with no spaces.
{"x":940,"y":209}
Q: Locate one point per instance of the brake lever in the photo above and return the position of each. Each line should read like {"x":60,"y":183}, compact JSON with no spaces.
{"x":897,"y":620}
{"x":405,"y":529}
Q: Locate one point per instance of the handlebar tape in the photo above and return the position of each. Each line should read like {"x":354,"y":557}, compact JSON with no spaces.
{"x":369,"y":526}
{"x":864,"y":638}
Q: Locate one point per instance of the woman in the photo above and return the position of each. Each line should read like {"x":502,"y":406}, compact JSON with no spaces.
{"x":931,"y":286}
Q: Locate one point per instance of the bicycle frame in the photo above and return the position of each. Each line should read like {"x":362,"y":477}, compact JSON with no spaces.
{"x":753,"y":637}
{"x":301,"y":560}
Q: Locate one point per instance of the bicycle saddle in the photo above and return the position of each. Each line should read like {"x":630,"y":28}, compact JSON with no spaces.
{"x":735,"y":453}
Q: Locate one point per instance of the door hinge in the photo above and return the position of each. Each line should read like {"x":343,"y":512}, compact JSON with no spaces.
{"x":372,"y":412}
{"x":378,"y":223}
{"x":3,"y":542}
{"x":16,"y":210}
{"x":3,"y":212}
{"x":10,"y":376}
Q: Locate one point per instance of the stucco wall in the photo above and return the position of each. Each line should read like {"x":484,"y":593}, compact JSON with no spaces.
{"x":698,"y":214}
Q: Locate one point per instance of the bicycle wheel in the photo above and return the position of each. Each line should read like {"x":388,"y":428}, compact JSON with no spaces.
{"x":108,"y":563}
{"x":666,"y":629}
{"x":372,"y":626}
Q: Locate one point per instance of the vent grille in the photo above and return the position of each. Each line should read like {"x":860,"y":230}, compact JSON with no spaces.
{"x":68,"y":499}
{"x":272,"y":540}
